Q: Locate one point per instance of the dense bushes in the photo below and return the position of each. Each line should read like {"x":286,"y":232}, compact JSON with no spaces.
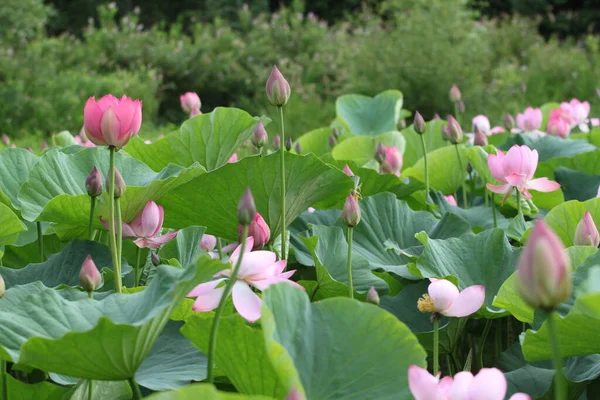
{"x":418,"y":46}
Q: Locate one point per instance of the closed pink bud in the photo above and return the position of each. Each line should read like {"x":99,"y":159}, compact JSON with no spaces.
{"x":2,"y":287}
{"x":259,"y":136}
{"x":543,"y":272}
{"x":298,"y":148}
{"x":208,"y":242}
{"x":436,"y":116}
{"x":347,"y":170}
{"x":277,"y":142}
{"x":351,"y":211}
{"x":119,"y":184}
{"x":480,"y":139}
{"x":295,"y":394}
{"x":373,"y":296}
{"x":190,"y":102}
{"x":454,"y":131}
{"x":246,"y":209}
{"x":89,"y":277}
{"x":278,"y":89}
{"x":111,"y":121}
{"x":233,"y":158}
{"x":455,"y":94}
{"x":93,"y":183}
{"x":332,"y":141}
{"x":419,"y":123}
{"x":460,"y":106}
{"x":393,"y":161}
{"x":380,"y":153}
{"x":586,"y":233}
{"x":259,"y":230}
{"x":288,"y":143}
{"x":149,"y":222}
{"x":509,"y":122}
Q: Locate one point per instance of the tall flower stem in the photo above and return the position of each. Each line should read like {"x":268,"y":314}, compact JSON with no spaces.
{"x":282,"y":163}
{"x":112,"y":234}
{"x":135,"y":388}
{"x":212,"y":344}
{"x":91,"y":221}
{"x":4,"y":373}
{"x":424,"y":147}
{"x":462,"y":169}
{"x":518,"y":201}
{"x":436,"y":345}
{"x":119,"y":233}
{"x":482,"y":340}
{"x":40,"y":235}
{"x":90,"y":389}
{"x":220,"y":248}
{"x":560,"y":388}
{"x":138,"y":260}
{"x":493,"y":204}
{"x":350,"y":284}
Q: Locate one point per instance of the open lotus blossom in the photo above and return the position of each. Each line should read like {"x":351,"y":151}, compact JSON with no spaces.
{"x":111,"y":121}
{"x":444,"y":298}
{"x":530,"y":121}
{"x":488,"y":384}
{"x":259,"y":269}
{"x":579,"y":112}
{"x":557,"y":125}
{"x":146,"y":226}
{"x":516,"y":170}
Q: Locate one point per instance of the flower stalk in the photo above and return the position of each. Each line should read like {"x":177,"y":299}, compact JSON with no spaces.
{"x":560,"y":388}
{"x":282,"y":168}
{"x":113,"y":233}
{"x":350,"y":284}
{"x":423,"y":146}
{"x":91,"y":232}
{"x":436,"y":344}
{"x":40,"y":235}
{"x":462,"y":169}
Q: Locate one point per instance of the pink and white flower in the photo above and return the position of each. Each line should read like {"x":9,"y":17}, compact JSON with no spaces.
{"x":516,"y":170}
{"x":111,"y":121}
{"x":579,"y":112}
{"x":444,"y":298}
{"x":529,"y":122}
{"x":259,"y":269}
{"x":392,"y":164}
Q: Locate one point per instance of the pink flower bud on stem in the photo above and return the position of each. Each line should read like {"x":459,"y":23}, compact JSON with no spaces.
{"x":419,"y":124}
{"x":246,"y":208}
{"x":586,"y":233}
{"x":93,"y":183}
{"x":278,"y":89}
{"x":89,"y":277}
{"x":373,"y":296}
{"x":259,"y":136}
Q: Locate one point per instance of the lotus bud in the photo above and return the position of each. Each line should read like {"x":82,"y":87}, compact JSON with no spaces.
{"x":259,"y":230}
{"x":436,"y":116}
{"x":119,"y":184}
{"x":454,"y":131}
{"x":246,"y":208}
{"x":460,"y":106}
{"x":332,"y":141}
{"x":393,"y":161}
{"x":586,"y":233}
{"x":259,"y":136}
{"x":455,"y":94}
{"x":419,"y":124}
{"x":278,"y":89}
{"x":480,"y":139}
{"x":155,"y":259}
{"x":288,"y":143}
{"x":194,"y":112}
{"x":373,"y":296}
{"x":2,"y":287}
{"x":347,"y":170}
{"x":380,"y":153}
{"x":44,"y":145}
{"x":190,"y":103}
{"x":233,"y":158}
{"x":89,"y":277}
{"x":509,"y":122}
{"x":5,"y":139}
{"x":277,"y":142}
{"x":298,"y":148}
{"x":336,"y":133}
{"x":351,"y":211}
{"x":544,"y":269}
{"x":93,"y":183}
{"x":208,"y":242}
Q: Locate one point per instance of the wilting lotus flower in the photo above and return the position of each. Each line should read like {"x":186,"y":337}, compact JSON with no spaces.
{"x":544,"y":269}
{"x":190,"y":103}
{"x":392,"y":164}
{"x":530,"y":121}
{"x":208,"y":242}
{"x":515,"y":169}
{"x":111,"y":121}
{"x":488,"y":384}
{"x":89,"y":277}
{"x":445,"y":298}
{"x":586,"y":233}
{"x":259,"y":230}
{"x":146,"y":226}
{"x":259,"y":269}
{"x":579,"y":112}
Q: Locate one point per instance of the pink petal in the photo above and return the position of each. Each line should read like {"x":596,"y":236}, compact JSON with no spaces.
{"x":236,"y":252}
{"x":257,"y":265}
{"x":460,"y":386}
{"x":230,"y":247}
{"x":126,"y":229}
{"x":265,"y":283}
{"x":92,"y":114}
{"x":488,"y":384}
{"x":423,"y":385}
{"x":246,"y":302}
{"x":500,"y":189}
{"x":543,"y":185}
{"x":443,"y":293}
{"x":156,"y":241}
{"x":468,"y":301}
{"x":207,"y":295}
{"x":515,"y":179}
{"x":520,"y":396}
{"x":205,"y":288}
{"x":495,"y":164}
{"x":146,"y":223}
{"x":110,"y":126}
{"x":514,"y":161}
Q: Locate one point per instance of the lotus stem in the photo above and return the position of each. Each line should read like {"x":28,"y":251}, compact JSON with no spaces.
{"x":90,"y":389}
{"x":91,"y":233}
{"x":40,"y":236}
{"x":4,"y":373}
{"x":423,"y":146}
{"x":119,"y":233}
{"x":282,"y":163}
{"x":135,"y":388}
{"x":350,"y":284}
{"x":518,"y":201}
{"x":212,"y":344}
{"x":560,"y":388}
{"x":482,"y":341}
{"x":462,"y":169}
{"x":113,"y":233}
{"x":138,"y":260}
{"x":436,"y":345}
{"x":220,"y":248}
{"x":493,"y":204}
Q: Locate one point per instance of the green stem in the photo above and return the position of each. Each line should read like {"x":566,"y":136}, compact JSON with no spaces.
{"x":493,"y":204}
{"x":220,"y":248}
{"x":138,"y":260}
{"x":560,"y":388}
{"x":40,"y":235}
{"x":91,"y":222}
{"x":449,"y":364}
{"x":482,"y":340}
{"x":212,"y":344}
{"x":4,"y":373}
{"x":112,"y":234}
{"x":119,"y":232}
{"x":472,"y":181}
{"x":282,"y":163}
{"x":350,"y":284}
{"x":518,"y":201}
{"x":90,"y":389}
{"x":423,"y":146}
{"x":137,"y":393}
{"x":436,"y":345}
{"x":464,"y":188}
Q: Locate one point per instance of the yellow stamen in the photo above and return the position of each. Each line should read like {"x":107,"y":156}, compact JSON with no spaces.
{"x":425,"y":304}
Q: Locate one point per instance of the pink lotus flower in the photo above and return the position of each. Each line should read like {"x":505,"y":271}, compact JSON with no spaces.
{"x":516,"y":170}
{"x":496,"y":130}
{"x":83,"y":143}
{"x":558,"y":126}
{"x":445,"y":298}
{"x":208,"y":242}
{"x":530,"y":122}
{"x":278,"y":89}
{"x":392,"y":164}
{"x":112,"y":121}
{"x":259,"y":269}
{"x":451,"y":200}
{"x":579,"y":112}
{"x":483,"y":123}
{"x":586,"y":233}
{"x":488,"y":384}
{"x":259,"y":230}
{"x":347,"y":170}
{"x":190,"y":103}
{"x":89,"y":277}
{"x":146,"y":226}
